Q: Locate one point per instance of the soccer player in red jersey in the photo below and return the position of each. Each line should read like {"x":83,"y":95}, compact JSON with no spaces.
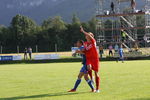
{"x":92,"y":56}
{"x":83,"y":71}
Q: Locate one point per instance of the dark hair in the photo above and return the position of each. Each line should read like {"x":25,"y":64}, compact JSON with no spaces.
{"x":81,"y":41}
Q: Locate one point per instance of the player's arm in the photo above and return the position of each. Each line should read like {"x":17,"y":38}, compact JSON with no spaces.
{"x":85,"y":33}
{"x":80,"y":52}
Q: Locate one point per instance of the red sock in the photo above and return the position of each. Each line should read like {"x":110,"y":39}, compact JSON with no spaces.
{"x":97,"y":79}
{"x":90,"y":74}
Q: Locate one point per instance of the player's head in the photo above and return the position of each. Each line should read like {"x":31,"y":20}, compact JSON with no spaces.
{"x":80,"y":43}
{"x":88,"y":38}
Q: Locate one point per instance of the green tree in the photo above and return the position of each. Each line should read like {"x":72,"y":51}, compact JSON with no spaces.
{"x":92,"y":24}
{"x":75,"y":20}
{"x":52,"y":33}
{"x":3,"y":34}
{"x":58,"y":24}
{"x":47,"y":24}
{"x":72,"y":33}
{"x":22,"y":26}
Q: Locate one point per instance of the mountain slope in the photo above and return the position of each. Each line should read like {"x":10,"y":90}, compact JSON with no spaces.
{"x":42,"y":9}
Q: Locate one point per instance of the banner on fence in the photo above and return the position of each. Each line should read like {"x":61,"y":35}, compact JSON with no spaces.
{"x":46,"y":56}
{"x":6,"y":58}
{"x":18,"y":57}
{"x":10,"y":58}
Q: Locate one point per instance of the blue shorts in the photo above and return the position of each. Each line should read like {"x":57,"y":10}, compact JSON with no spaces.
{"x":121,"y":55}
{"x":84,"y":69}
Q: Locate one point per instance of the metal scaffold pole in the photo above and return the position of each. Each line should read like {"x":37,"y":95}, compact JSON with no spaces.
{"x":123,"y":17}
{"x":100,"y":24}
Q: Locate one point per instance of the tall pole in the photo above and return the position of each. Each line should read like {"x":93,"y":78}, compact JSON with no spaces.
{"x":56,"y":48}
{"x":1,"y":49}
{"x":36,"y":48}
{"x":17,"y":49}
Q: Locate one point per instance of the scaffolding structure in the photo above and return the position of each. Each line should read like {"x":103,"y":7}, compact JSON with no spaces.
{"x":147,"y":20}
{"x":123,"y":17}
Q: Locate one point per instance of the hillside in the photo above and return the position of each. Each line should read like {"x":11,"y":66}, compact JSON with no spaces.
{"x":42,"y":9}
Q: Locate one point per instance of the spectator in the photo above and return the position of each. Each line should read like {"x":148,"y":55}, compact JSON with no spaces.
{"x":123,"y":34}
{"x":121,"y":54}
{"x":112,"y":7}
{"x":146,"y":38}
{"x":30,"y":52}
{"x":101,"y":51}
{"x":25,"y":54}
{"x":136,"y":47}
{"x":116,"y":48}
{"x":133,"y":5}
{"x":110,"y":50}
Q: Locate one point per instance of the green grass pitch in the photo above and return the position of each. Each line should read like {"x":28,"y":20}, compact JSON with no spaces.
{"x":119,"y":81}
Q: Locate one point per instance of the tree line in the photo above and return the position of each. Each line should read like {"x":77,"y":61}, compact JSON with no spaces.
{"x":24,"y":32}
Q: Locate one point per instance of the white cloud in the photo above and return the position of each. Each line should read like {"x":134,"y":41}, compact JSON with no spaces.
{"x":28,"y":3}
{"x":36,"y":3}
{"x":9,"y":6}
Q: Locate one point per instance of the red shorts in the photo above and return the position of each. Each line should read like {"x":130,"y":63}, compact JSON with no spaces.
{"x":94,"y":63}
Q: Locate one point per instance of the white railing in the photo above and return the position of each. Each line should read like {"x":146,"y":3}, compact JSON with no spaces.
{"x":126,"y":21}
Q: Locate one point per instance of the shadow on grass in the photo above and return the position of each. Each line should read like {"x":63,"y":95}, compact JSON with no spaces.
{"x":42,"y":96}
{"x":140,"y":99}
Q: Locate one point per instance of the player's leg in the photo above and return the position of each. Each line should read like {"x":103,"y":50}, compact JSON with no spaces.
{"x":89,"y":68}
{"x":24,"y":56}
{"x":77,"y":83}
{"x":95,"y":67}
{"x":90,"y":83}
{"x":117,"y":59}
{"x":97,"y":80}
{"x":122,"y":58}
{"x":109,"y":53}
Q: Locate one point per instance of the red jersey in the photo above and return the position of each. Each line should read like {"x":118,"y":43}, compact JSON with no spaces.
{"x":91,"y":54}
{"x":91,"y":50}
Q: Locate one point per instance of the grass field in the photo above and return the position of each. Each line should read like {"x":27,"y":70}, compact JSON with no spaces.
{"x":119,"y":81}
